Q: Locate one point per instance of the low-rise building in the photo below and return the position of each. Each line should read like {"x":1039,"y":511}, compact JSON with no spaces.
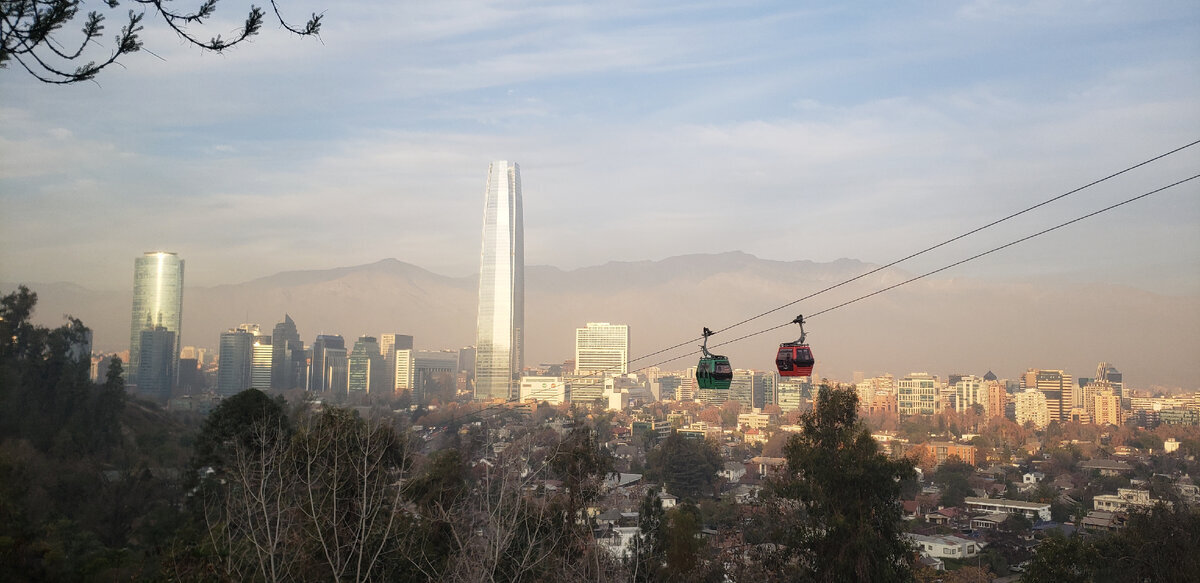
{"x":945,"y":547}
{"x":1031,"y":510}
{"x":1123,"y":500}
{"x":941,"y":450}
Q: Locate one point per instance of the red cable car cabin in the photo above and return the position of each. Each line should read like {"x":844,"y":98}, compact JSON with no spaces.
{"x":794,"y":360}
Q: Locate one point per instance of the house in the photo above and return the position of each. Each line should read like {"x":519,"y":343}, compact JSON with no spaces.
{"x":769,"y":466}
{"x":1123,"y":500}
{"x":910,"y":509}
{"x":943,"y":516}
{"x":744,"y":493}
{"x":609,"y":517}
{"x":668,"y":500}
{"x":754,"y":435}
{"x":732,"y":471}
{"x":1100,"y":520}
{"x":617,"y":540}
{"x":945,"y":547}
{"x":1033,"y":477}
{"x":989,"y":521}
{"x":1106,"y":467}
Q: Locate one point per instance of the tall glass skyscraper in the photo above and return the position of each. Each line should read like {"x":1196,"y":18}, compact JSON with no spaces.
{"x":157,"y":302}
{"x":500,"y":333}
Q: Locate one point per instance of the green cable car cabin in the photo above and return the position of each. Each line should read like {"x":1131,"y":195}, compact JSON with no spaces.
{"x":713,"y":371}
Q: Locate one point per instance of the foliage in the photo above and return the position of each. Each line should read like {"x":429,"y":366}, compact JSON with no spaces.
{"x":840,"y":516}
{"x":647,"y":561}
{"x":688,"y":467}
{"x":80,"y":497}
{"x":952,"y":476}
{"x":32,"y":33}
{"x":1155,"y":545}
{"x":237,"y":422}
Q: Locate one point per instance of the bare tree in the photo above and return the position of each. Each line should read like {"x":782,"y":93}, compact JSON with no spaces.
{"x":31,"y":33}
{"x":248,"y":507}
{"x":349,"y":471}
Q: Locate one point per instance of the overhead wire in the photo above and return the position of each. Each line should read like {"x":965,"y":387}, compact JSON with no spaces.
{"x":943,"y":268}
{"x":894,"y":263}
{"x":930,"y":248}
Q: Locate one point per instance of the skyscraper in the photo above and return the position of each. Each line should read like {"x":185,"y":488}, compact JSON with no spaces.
{"x":365,"y":368}
{"x":327,"y":371}
{"x":157,"y":301}
{"x":235,"y":361}
{"x":602,"y":348}
{"x":286,"y":348}
{"x":156,"y":364}
{"x":388,"y":345}
{"x":500,"y":330}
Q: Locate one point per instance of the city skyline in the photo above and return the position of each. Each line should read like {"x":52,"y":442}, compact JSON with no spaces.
{"x":663,"y":301}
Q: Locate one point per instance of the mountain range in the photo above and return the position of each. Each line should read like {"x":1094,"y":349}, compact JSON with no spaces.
{"x":943,"y":326}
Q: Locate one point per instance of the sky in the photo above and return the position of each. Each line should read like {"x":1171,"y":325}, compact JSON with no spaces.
{"x":644,"y":130}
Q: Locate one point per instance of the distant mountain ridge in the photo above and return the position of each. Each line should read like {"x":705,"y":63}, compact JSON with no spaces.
{"x":938,"y":325}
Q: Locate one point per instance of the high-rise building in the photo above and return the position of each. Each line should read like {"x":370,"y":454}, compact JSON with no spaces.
{"x":434,"y":374}
{"x":1032,"y":405}
{"x":157,"y":368}
{"x":764,"y":388}
{"x":262,"y":353}
{"x":1109,"y":373}
{"x":328,"y":357}
{"x":388,"y":345}
{"x":969,"y":390}
{"x":500,"y":327}
{"x":602,"y":348}
{"x":997,"y":398}
{"x":404,"y":372}
{"x":157,"y":301}
{"x":365,"y":368}
{"x":235,"y":359}
{"x":917,"y":394}
{"x":1059,"y":389}
{"x":287,"y":355}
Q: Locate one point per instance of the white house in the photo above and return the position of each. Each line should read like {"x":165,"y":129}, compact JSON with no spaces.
{"x":945,"y":547}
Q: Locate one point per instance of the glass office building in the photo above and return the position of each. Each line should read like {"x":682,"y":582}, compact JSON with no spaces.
{"x":500,"y":330}
{"x":157,"y":302}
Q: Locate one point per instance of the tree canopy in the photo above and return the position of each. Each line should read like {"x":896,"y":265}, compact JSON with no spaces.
{"x":840,"y":517}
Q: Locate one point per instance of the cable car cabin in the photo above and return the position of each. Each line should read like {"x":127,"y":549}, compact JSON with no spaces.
{"x":714,"y":372}
{"x":794,"y":360}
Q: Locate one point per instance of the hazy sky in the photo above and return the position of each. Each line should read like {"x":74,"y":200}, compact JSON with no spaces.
{"x":643,"y":129}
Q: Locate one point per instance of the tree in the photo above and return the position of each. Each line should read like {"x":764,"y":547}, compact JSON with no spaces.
{"x":839,"y":502}
{"x":237,"y":422}
{"x":32,"y":33}
{"x":688,"y":467}
{"x":1155,"y":545}
{"x":649,"y":555}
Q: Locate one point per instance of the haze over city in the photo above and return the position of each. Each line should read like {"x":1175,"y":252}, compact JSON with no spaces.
{"x":477,"y":291}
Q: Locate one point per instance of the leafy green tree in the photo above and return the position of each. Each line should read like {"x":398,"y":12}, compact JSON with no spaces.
{"x":846,"y":521}
{"x":1156,"y":545}
{"x":683,"y":543}
{"x":648,"y":558}
{"x":952,"y":476}
{"x":688,"y":467}
{"x":237,"y":422}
